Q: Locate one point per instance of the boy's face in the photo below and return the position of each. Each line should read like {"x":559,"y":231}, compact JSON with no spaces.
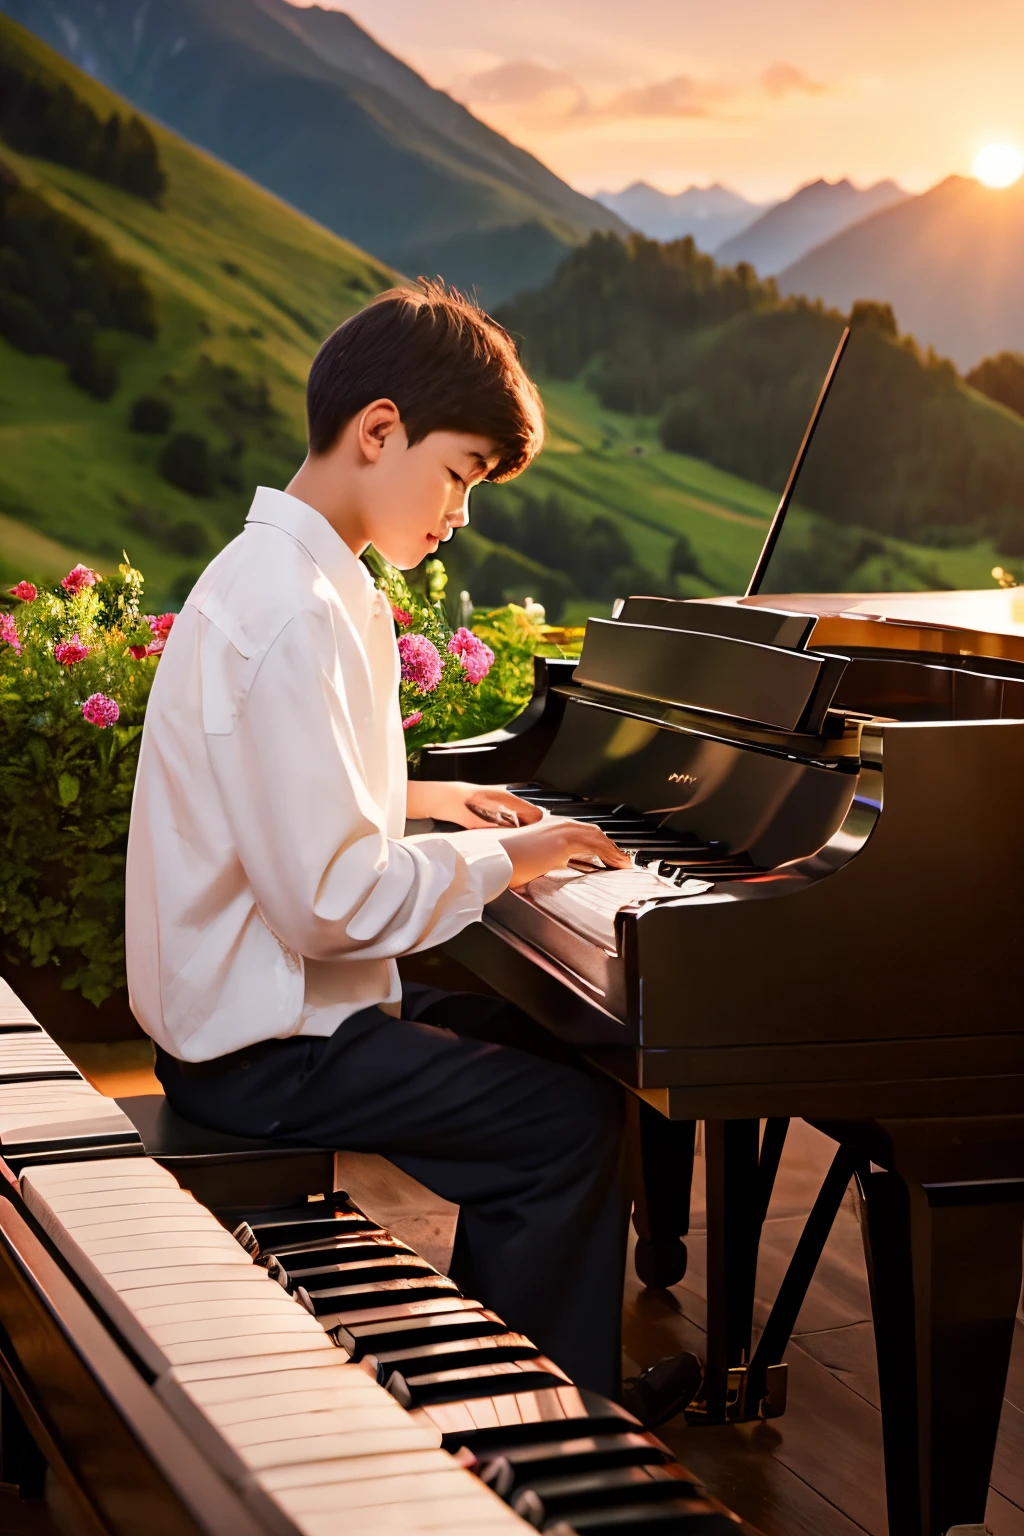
{"x":413,"y":498}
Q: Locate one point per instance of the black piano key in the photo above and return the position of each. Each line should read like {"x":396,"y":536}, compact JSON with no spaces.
{"x":376,"y":1336}
{"x":571,"y":1494}
{"x":513,"y":1377}
{"x":493,"y":1424}
{"x":345,"y":1324}
{"x":520,"y":1466}
{"x":318,"y":1277}
{"x":275,"y":1234}
{"x":681,"y":1517}
{"x":343,"y":1250}
{"x":341,"y":1303}
{"x":456,"y":1354}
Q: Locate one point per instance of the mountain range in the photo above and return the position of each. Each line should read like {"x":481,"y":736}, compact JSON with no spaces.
{"x":814,"y":213}
{"x":310,"y":106}
{"x":947,"y":261}
{"x":711,"y":215}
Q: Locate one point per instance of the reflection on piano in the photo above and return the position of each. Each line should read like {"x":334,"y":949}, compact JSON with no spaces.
{"x":830,"y":790}
{"x":271,"y":1371}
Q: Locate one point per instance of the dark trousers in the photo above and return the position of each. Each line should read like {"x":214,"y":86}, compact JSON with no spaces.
{"x":474,"y":1100}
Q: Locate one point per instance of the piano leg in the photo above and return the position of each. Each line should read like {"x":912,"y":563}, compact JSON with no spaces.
{"x":944,"y":1263}
{"x":731,"y":1150}
{"x":741,"y":1166}
{"x":661,"y":1211}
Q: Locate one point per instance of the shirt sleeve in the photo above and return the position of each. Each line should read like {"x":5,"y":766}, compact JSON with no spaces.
{"x":294,"y":775}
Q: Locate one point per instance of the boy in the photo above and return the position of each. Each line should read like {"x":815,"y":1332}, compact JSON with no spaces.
{"x":270,"y":886}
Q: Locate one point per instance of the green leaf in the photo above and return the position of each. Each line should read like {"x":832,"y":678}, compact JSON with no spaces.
{"x":67,"y":788}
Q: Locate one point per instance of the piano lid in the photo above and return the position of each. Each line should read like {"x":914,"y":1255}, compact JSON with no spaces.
{"x":983,"y":623}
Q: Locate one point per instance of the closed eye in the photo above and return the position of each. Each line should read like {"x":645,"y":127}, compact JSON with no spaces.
{"x":457,"y":478}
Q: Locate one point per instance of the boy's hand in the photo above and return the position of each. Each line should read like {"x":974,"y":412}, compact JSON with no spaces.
{"x":469,"y":805}
{"x":554,"y":844}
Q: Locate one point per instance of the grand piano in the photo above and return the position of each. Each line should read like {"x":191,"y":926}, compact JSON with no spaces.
{"x":822,"y":797}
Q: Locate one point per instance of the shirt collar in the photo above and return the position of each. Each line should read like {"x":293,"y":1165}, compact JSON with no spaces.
{"x":344,"y":570}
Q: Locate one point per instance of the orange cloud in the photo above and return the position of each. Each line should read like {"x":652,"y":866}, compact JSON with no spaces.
{"x":679,"y":96}
{"x":786,"y":80}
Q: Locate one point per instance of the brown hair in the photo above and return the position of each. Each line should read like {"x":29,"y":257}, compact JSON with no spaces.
{"x":446,"y":364}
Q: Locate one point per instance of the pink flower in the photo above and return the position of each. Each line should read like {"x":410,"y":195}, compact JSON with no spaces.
{"x":161,"y":626}
{"x":401,"y":616}
{"x":476,"y":657}
{"x":411,"y":720}
{"x":25,"y":591}
{"x":9,"y":633}
{"x":421,"y":664}
{"x":80,"y":577}
{"x":101,"y":711}
{"x":71,"y":651}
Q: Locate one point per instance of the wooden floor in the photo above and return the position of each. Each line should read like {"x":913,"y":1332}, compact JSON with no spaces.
{"x":815,"y":1472}
{"x":818,"y":1470}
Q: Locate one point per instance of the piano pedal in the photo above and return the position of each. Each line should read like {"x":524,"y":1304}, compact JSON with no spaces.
{"x":740,"y":1405}
{"x":660,"y":1264}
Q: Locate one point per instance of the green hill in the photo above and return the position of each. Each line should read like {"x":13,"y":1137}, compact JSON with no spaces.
{"x":243,"y":288}
{"x":311,"y":107}
{"x":905,"y":451}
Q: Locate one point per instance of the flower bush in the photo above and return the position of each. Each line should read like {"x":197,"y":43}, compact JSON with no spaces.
{"x":458,"y":682}
{"x":76,"y":665}
{"x":75,"y":674}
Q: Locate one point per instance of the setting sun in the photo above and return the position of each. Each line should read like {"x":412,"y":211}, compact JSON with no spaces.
{"x":998,"y":165}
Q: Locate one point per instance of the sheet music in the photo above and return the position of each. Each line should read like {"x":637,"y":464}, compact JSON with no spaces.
{"x":588,"y":902}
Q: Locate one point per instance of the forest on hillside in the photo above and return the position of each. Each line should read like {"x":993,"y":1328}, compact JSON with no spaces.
{"x":904,"y":448}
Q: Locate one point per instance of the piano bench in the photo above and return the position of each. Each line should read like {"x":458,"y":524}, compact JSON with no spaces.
{"x":223,"y":1170}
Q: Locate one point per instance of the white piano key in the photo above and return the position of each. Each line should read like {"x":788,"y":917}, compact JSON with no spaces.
{"x":414,"y":1489}
{"x":359,"y":1390}
{"x":236,"y":1285}
{"x":67,"y":1206}
{"x":295,"y":1429}
{"x":353,"y":1469}
{"x":290,"y":1317}
{"x":53,"y":1177}
{"x":180,"y":1222}
{"x":138,"y":1261}
{"x":204,"y":1243}
{"x":176,"y":1270}
{"x":242,"y":1304}
{"x":12,"y":1009}
{"x":405,"y":1436}
{"x":246,"y":1347}
{"x":124,"y":1176}
{"x":438,"y":1515}
{"x":259,"y":1370}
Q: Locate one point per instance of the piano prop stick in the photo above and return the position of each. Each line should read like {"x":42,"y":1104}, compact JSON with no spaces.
{"x":754,"y":585}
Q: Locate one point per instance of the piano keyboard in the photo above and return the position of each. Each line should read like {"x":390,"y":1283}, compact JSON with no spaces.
{"x":677,"y":856}
{"x":589,"y":903}
{"x":231,"y":1347}
{"x":338,"y":1382}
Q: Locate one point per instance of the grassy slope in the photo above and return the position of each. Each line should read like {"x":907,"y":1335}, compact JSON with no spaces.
{"x":592,"y":462}
{"x":69,"y":466}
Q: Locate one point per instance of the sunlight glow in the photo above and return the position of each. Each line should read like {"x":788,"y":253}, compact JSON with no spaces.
{"x":998,"y":165}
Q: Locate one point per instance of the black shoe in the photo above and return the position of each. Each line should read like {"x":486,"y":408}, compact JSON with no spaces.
{"x":663,"y":1390}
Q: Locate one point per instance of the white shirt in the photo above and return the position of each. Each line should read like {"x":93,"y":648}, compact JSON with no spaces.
{"x":269,"y":884}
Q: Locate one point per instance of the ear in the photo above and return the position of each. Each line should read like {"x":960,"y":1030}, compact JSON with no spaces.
{"x":375,"y":424}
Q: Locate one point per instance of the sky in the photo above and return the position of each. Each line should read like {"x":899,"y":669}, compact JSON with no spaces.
{"x":759,"y":97}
